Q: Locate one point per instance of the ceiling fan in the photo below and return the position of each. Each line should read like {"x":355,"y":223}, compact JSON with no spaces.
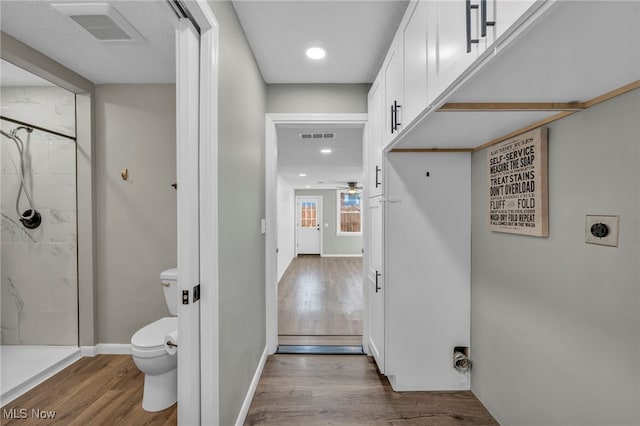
{"x":352,"y":187}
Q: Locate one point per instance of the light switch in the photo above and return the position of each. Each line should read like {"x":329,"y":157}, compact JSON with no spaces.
{"x":602,"y":230}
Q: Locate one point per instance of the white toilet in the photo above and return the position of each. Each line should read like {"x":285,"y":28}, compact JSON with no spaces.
{"x":150,"y":355}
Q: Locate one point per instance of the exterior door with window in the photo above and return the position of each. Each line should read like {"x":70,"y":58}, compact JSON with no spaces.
{"x":308,"y":221}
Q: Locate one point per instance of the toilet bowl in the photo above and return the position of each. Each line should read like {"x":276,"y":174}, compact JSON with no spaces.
{"x":151,"y":357}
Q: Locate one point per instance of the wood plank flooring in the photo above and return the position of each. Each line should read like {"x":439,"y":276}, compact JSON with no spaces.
{"x":348,"y":390}
{"x":103,"y":390}
{"x":321,"y":296}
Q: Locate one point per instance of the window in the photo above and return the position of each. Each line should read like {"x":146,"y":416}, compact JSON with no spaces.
{"x":309,"y":214}
{"x":349,"y":213}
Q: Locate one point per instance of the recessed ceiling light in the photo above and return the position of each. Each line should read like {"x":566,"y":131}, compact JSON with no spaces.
{"x":308,"y":186}
{"x":316,"y":53}
{"x":326,"y":151}
{"x":302,"y":175}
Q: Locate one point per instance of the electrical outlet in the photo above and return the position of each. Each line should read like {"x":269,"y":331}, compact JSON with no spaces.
{"x":602,"y":230}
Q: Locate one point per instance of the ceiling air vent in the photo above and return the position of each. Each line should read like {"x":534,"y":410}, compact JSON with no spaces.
{"x":102,"y":21}
{"x":317,"y":135}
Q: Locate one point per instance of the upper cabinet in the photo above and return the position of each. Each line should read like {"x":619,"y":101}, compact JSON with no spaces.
{"x":436,"y":43}
{"x":414,"y":36}
{"x":454,"y":42}
{"x":497,"y":16}
{"x":393,"y":83}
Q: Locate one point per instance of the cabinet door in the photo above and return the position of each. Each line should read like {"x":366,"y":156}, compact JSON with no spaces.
{"x":374,"y":140}
{"x":393,"y":73}
{"x":375,"y":282}
{"x":447,"y":37}
{"x":500,"y":15}
{"x":415,"y":61}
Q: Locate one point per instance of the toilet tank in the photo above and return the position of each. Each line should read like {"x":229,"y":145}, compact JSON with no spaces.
{"x":169,"y":281}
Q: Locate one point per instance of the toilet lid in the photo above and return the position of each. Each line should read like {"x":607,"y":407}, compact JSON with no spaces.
{"x":152,"y":335}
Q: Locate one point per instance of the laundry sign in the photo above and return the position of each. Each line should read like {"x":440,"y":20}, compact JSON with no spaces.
{"x":518,"y":185}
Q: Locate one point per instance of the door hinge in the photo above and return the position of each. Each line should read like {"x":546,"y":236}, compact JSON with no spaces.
{"x":185,"y":297}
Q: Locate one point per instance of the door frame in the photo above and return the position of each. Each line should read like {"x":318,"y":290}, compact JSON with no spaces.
{"x":271,"y":209}
{"x":320,"y":200}
{"x":198,"y":384}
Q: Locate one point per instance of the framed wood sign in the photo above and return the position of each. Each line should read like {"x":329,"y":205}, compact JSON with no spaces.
{"x":518,"y":185}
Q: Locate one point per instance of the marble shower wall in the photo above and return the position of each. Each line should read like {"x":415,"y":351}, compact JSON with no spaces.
{"x":39,"y":298}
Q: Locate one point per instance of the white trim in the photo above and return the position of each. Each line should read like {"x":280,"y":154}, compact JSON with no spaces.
{"x":188,"y":199}
{"x":271,"y":207}
{"x":106,"y":349}
{"x":244,"y":410}
{"x":320,"y":199}
{"x":341,"y":255}
{"x":209,"y":337}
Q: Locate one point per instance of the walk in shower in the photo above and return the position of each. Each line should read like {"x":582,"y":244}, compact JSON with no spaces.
{"x":38,"y":235}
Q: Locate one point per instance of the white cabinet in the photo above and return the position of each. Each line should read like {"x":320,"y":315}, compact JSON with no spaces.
{"x":374,"y":281}
{"x":497,"y":16}
{"x":453,"y":42}
{"x":373,"y":161}
{"x":393,"y":84}
{"x":414,"y":35}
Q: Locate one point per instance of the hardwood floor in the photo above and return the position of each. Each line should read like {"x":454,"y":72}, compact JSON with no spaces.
{"x":103,"y":390}
{"x":321,"y":296}
{"x":348,"y":390}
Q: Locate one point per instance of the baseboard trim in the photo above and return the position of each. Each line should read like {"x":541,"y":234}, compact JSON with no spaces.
{"x":106,"y":349}
{"x":244,"y":410}
{"x":341,"y":255}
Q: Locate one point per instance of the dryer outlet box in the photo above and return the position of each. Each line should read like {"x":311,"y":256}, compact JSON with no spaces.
{"x":602,"y":230}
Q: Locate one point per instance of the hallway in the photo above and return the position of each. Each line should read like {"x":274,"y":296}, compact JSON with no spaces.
{"x":320,"y":301}
{"x":348,"y":390}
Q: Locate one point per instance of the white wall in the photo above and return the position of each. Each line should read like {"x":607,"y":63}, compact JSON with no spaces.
{"x":555,"y":322}
{"x":135,"y":129}
{"x":286,"y":225}
{"x":328,"y":98}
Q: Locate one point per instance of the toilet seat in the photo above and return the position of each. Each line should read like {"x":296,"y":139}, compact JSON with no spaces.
{"x":148,"y":342}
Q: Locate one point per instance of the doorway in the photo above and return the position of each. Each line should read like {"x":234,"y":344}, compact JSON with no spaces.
{"x":308,"y":222}
{"x":315,"y":279}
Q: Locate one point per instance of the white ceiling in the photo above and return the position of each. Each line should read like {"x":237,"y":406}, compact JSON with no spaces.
{"x":355,"y":34}
{"x":37,"y":24}
{"x":296,"y":155}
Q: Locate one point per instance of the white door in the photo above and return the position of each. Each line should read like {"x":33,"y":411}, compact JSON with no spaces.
{"x":374,"y":282}
{"x":308,"y":224}
{"x":188,"y":139}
